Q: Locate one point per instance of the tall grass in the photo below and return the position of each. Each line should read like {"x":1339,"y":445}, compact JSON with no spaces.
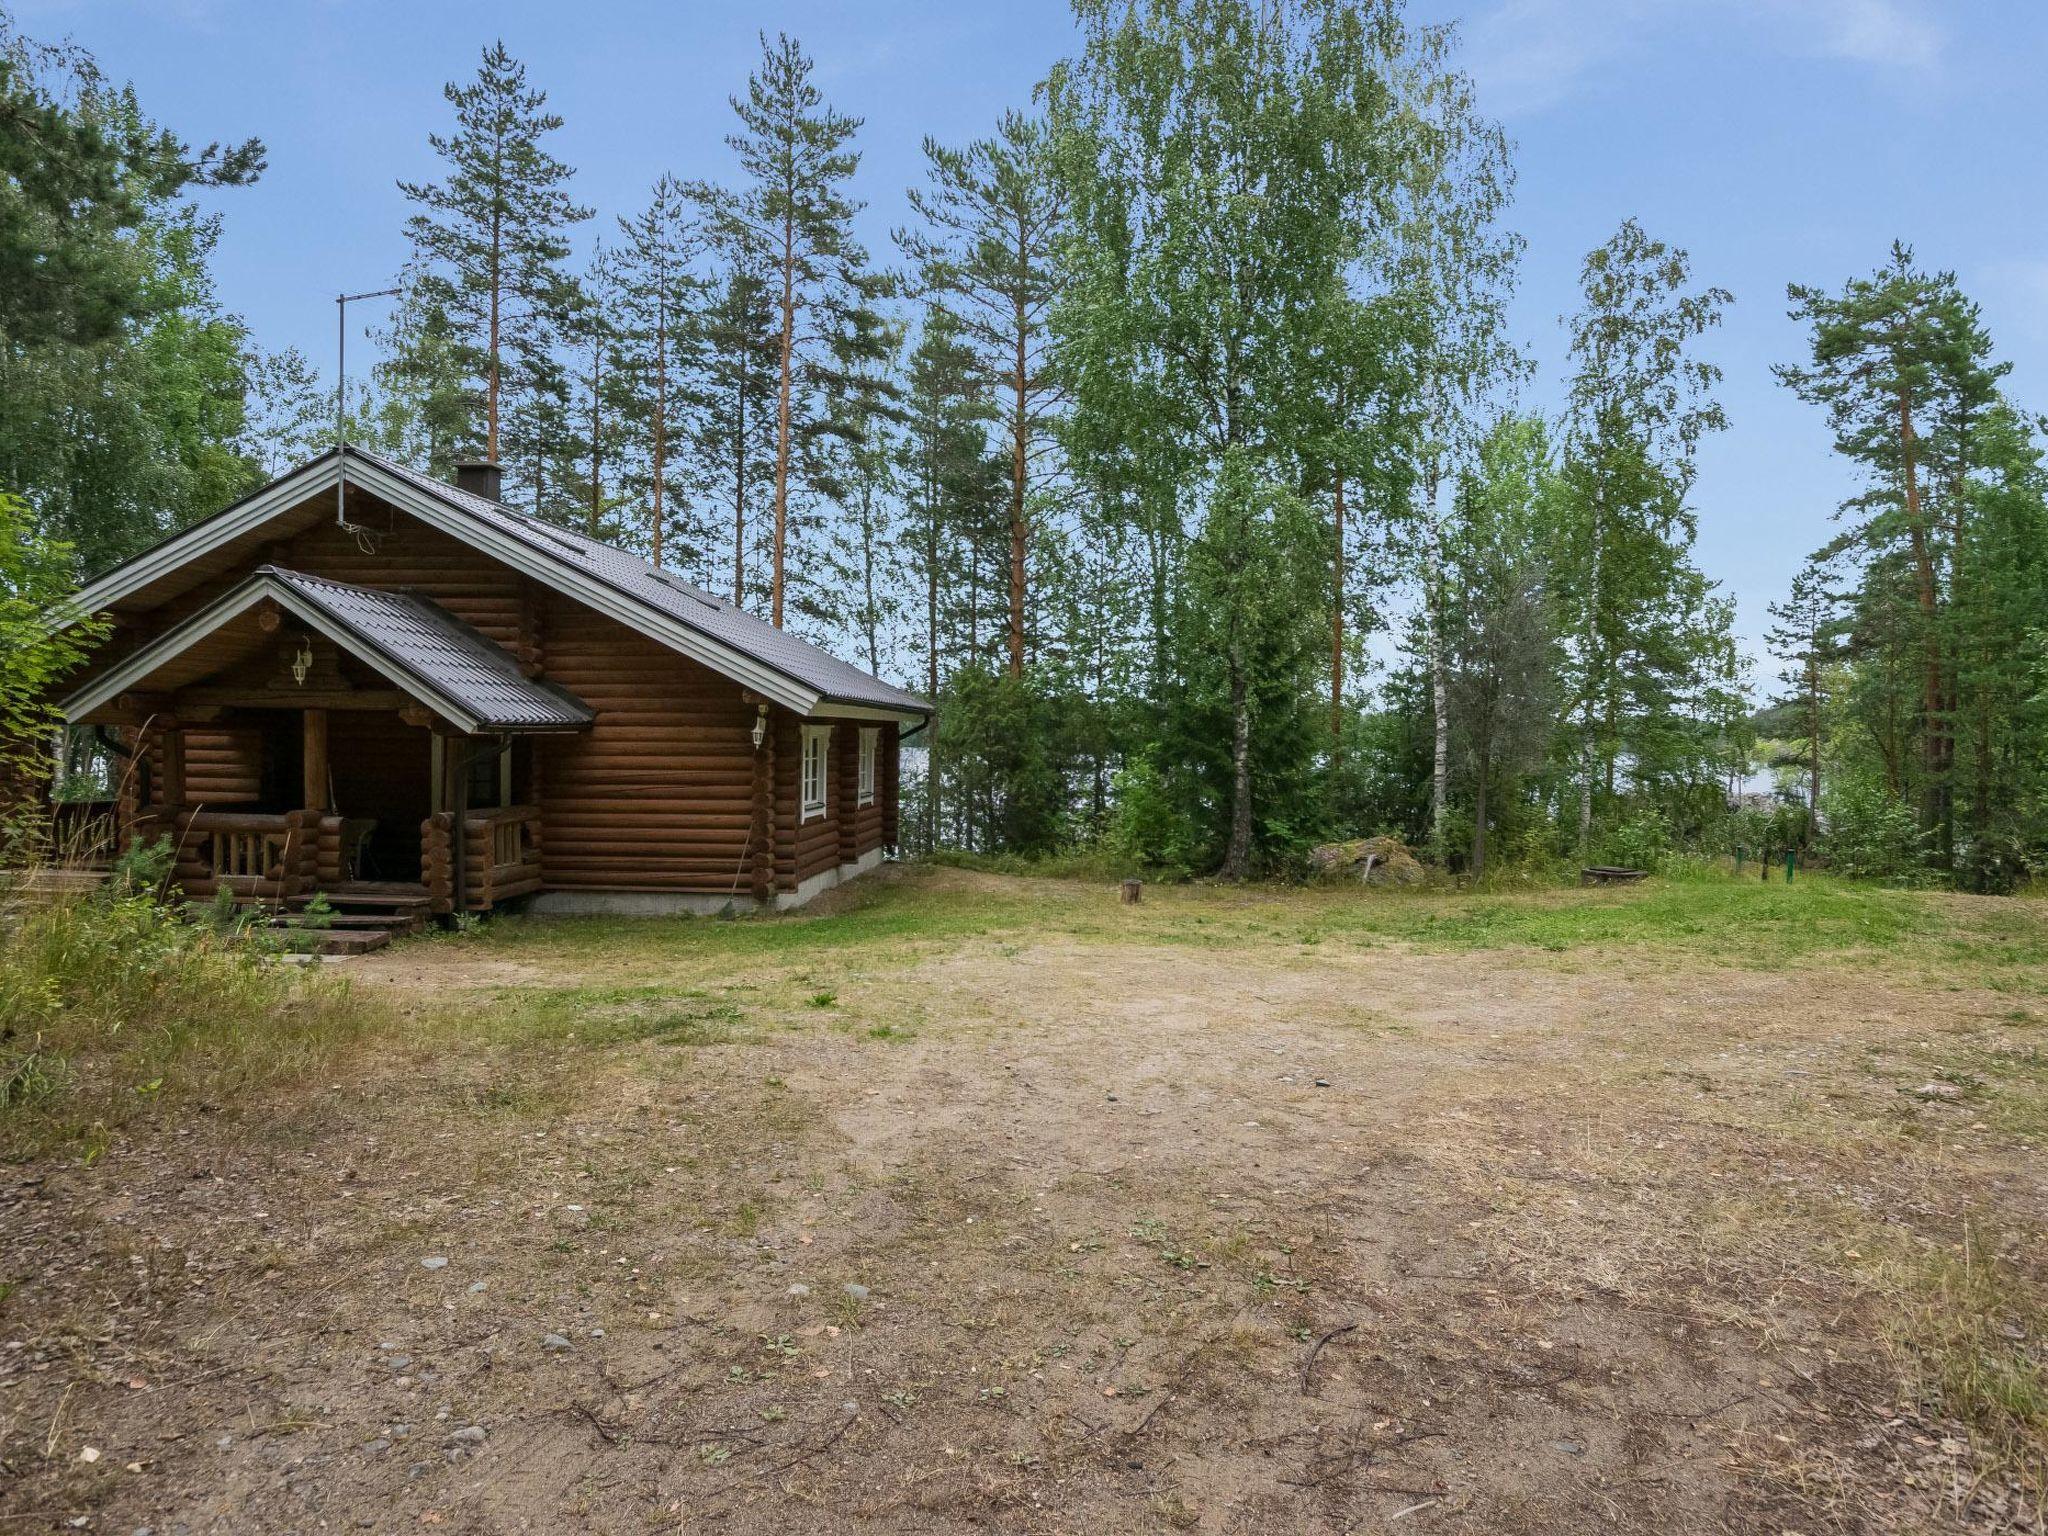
{"x":109,"y":1003}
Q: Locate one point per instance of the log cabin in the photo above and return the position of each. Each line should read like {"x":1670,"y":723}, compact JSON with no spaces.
{"x":404,"y":696}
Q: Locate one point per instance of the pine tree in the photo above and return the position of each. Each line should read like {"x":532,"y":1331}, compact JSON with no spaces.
{"x":490,"y":239}
{"x":735,"y":443}
{"x":1804,"y":638}
{"x":592,"y":342}
{"x":1901,"y":362}
{"x":659,"y":293}
{"x":796,"y":158}
{"x":993,"y":214}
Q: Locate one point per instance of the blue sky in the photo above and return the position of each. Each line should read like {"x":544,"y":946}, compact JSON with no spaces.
{"x":1775,"y":140}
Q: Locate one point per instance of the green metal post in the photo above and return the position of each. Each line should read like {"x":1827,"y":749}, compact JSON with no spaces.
{"x":1790,"y":855}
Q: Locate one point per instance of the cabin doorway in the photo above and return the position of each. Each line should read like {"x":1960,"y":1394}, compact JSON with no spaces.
{"x":380,"y":782}
{"x":281,"y":760}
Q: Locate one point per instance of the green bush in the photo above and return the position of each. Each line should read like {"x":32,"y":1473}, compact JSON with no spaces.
{"x":1150,"y":828}
{"x":1869,"y":832}
{"x":1640,"y":842}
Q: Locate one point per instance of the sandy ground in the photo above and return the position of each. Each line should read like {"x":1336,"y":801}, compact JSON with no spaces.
{"x":1038,"y":1234}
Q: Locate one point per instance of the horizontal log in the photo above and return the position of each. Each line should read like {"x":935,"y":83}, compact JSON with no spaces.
{"x":653,"y":818}
{"x":291,"y":698}
{"x":227,"y":821}
{"x":668,"y":885}
{"x":638,"y":868}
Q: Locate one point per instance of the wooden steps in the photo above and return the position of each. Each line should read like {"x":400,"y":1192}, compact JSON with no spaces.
{"x":329,"y":941}
{"x":365,"y":915}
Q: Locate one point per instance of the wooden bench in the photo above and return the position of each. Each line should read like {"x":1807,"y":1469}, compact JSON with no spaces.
{"x":1608,"y":874}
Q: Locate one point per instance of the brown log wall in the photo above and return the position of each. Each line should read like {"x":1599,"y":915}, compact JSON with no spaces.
{"x":661,"y":794}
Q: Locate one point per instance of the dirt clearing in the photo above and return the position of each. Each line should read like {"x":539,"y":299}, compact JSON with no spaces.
{"x":988,"y":1204}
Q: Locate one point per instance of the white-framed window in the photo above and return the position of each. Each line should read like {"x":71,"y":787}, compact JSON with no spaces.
{"x":817,"y":755}
{"x":870,"y":741}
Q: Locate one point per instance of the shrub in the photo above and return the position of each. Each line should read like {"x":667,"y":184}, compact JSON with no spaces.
{"x":1150,"y":829}
{"x":1869,"y":832}
{"x":1641,"y":842}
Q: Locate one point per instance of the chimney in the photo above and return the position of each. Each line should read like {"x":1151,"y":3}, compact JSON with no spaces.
{"x":479,"y":477}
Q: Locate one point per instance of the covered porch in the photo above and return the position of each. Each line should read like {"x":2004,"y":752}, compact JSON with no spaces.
{"x":301,"y":738}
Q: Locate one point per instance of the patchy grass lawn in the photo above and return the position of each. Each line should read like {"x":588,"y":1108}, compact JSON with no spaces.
{"x":985,"y":1202}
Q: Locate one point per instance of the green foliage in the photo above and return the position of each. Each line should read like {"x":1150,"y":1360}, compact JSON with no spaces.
{"x":1871,"y":832}
{"x":1642,"y":841}
{"x":35,"y":582}
{"x":122,"y":377}
{"x":994,"y":759}
{"x":1150,"y":828}
{"x":111,"y":1002}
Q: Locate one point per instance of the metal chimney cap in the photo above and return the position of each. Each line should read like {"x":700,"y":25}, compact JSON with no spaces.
{"x":480,"y":477}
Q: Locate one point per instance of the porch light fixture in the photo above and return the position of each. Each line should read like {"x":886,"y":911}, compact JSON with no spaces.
{"x":302,"y":661}
{"x":760,"y":725}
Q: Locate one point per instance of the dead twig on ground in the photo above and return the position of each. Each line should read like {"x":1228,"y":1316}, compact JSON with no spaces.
{"x":1309,"y":1365}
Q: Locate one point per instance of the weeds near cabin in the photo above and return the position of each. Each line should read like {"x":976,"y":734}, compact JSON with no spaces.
{"x":111,"y":1003}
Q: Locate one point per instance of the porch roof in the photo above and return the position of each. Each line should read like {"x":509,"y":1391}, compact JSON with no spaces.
{"x":458,"y":672}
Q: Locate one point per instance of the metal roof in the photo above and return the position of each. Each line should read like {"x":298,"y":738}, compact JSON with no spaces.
{"x":457,"y":671}
{"x":783,"y":668}
{"x":669,"y":594}
{"x":438,"y":648}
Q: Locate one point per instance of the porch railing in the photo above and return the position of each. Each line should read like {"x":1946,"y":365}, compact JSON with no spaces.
{"x":500,"y":851}
{"x":260,"y":857}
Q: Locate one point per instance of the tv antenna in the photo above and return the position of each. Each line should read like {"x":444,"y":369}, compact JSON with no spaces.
{"x":342,"y":301}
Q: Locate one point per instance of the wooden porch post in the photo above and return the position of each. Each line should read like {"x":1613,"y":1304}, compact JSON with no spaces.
{"x":172,"y":736}
{"x":316,"y":760}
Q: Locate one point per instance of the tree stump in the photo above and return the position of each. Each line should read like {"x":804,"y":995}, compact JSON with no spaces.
{"x":1131,"y":890}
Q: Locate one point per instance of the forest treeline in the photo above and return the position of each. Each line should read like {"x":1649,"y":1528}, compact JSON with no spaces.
{"x":1176,"y":445}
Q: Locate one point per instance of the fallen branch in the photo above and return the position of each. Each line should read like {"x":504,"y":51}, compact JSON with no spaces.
{"x":1309,"y":1366}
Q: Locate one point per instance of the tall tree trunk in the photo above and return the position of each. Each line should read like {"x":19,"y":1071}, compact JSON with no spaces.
{"x":1237,"y":856}
{"x":660,"y":422}
{"x":739,"y":488}
{"x":782,"y":418}
{"x":1934,"y":693}
{"x":1337,"y":630}
{"x":1439,"y":668}
{"x":491,"y":387}
{"x":1813,"y":727}
{"x":1588,"y":749}
{"x":596,"y":439}
{"x":1482,"y":774}
{"x":1020,"y":429}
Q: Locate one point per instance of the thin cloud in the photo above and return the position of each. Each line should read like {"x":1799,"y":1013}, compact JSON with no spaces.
{"x":1896,"y":34}
{"x":1529,"y":55}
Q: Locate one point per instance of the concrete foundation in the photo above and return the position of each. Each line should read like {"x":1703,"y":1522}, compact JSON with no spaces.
{"x":691,"y":903}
